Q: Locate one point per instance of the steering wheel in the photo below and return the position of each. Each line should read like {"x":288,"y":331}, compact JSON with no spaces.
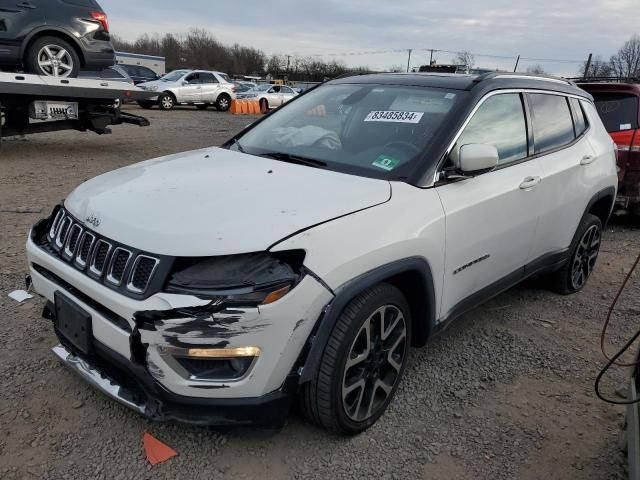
{"x":403,"y":145}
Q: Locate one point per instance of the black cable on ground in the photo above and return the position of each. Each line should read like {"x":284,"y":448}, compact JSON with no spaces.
{"x":612,"y":360}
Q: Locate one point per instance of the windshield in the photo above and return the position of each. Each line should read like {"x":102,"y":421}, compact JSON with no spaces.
{"x":373,"y":130}
{"x":225,"y":77}
{"x":174,"y":76}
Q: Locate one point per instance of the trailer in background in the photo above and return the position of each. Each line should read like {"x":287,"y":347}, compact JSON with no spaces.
{"x":157,"y":64}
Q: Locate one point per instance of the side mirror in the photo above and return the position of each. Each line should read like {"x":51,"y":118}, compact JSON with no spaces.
{"x":477,"y":157}
{"x":185,"y":83}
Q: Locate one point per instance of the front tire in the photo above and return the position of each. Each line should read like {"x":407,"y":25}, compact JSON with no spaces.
{"x":584,"y":249}
{"x":362,"y":363}
{"x":166,"y":101}
{"x":52,"y":57}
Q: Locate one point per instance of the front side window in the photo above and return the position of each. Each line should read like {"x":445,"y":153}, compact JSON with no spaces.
{"x":500,"y":122}
{"x":366,"y":129}
{"x":192,"y":78}
{"x":552,"y":122}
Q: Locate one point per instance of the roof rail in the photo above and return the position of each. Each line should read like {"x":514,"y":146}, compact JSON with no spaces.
{"x":613,"y":79}
{"x":530,"y":76}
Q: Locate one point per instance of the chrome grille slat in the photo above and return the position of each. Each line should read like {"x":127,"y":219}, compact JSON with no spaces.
{"x":114,"y":277}
{"x":63,"y":230}
{"x":55,"y":224}
{"x":81,"y":260}
{"x":126,"y":269}
{"x":95,"y":257}
{"x":132,"y":283}
{"x":73,"y":239}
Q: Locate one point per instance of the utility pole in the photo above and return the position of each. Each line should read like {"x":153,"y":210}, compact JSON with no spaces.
{"x":431,"y":50}
{"x":409,"y":61}
{"x":586,"y":68}
{"x":515,"y":69}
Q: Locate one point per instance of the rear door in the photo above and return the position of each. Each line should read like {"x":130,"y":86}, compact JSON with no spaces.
{"x":287,"y":93}
{"x":210,"y":87}
{"x":17,"y":19}
{"x":567,"y":161}
{"x":491,"y":219}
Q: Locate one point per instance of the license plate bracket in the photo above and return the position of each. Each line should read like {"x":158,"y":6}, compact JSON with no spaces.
{"x":73,"y":323}
{"x":47,"y":110}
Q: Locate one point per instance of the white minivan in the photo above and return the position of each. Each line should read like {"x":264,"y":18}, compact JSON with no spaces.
{"x":304,"y":257}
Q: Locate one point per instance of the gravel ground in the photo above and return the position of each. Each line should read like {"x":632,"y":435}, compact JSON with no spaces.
{"x":506,"y":392}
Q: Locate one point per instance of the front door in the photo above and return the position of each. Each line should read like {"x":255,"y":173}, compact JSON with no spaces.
{"x":491,"y":219}
{"x":190,"y":89}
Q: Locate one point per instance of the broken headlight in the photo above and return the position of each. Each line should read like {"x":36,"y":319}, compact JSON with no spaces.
{"x":246,"y":279}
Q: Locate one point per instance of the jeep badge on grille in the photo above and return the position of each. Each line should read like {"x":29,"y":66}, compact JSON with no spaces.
{"x":92,"y":219}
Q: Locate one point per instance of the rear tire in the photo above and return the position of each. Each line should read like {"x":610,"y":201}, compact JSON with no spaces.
{"x":166,"y":101}
{"x":264,"y":106}
{"x":52,"y":57}
{"x":362,"y":363}
{"x":584,"y":249}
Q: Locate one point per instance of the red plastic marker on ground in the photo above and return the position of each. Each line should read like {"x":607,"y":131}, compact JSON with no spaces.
{"x":156,"y":451}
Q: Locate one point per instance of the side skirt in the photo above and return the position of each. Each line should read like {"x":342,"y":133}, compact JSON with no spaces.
{"x":549,"y":262}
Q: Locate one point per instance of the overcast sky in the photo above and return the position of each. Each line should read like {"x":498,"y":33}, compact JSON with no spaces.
{"x":540,"y":29}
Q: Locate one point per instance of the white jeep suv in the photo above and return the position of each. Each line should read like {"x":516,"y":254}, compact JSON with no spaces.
{"x":310,"y":252}
{"x":190,"y":87}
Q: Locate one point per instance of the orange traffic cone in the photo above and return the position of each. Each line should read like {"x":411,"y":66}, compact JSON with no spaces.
{"x":234,"y":107}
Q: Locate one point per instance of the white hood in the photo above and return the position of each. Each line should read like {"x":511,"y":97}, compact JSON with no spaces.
{"x":217,"y":202}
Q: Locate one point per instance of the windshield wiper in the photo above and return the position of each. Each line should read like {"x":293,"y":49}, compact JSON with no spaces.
{"x":289,"y":158}
{"x":236,"y":143}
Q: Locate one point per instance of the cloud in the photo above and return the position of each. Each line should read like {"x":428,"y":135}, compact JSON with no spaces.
{"x":564,"y":29}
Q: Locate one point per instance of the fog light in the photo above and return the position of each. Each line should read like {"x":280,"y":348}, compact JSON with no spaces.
{"x":223,"y":352}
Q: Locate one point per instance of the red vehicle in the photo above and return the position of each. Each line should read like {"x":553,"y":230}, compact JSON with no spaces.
{"x":617,"y":104}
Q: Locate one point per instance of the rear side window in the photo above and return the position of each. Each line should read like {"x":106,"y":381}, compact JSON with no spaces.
{"x":579,"y":120}
{"x":208,"y":78}
{"x":499,"y":122}
{"x":552,"y":122}
{"x":618,"y":111}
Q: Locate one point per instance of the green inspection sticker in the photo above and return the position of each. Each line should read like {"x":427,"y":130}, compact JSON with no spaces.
{"x":386,"y":163}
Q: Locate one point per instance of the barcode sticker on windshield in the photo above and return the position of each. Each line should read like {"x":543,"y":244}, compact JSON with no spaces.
{"x":393,"y":116}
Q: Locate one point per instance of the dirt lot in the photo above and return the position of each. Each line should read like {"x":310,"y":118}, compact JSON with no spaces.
{"x":507,"y":392}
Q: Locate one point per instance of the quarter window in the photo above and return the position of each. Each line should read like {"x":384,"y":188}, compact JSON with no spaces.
{"x":579,"y":120}
{"x":552,"y":122}
{"x":500,"y":122}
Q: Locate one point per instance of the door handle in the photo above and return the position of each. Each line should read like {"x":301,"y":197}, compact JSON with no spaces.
{"x":587,"y":159}
{"x":529,"y":182}
{"x":26,"y":5}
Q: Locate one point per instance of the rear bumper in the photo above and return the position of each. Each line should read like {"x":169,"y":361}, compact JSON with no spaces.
{"x":132,"y":386}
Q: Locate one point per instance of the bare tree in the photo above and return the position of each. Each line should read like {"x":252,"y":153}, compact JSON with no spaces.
{"x":536,"y":69}
{"x":598,"y":68}
{"x":465,"y":58}
{"x":626,"y":63}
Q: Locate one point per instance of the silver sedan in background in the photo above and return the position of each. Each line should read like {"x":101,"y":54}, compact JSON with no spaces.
{"x":269,"y":96}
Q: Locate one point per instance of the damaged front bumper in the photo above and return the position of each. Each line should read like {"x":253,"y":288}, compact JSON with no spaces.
{"x":133,"y":387}
{"x":133,"y":341}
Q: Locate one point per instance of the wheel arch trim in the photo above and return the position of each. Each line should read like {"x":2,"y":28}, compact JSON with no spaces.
{"x":54,"y":31}
{"x":609,"y":192}
{"x":351,"y":289}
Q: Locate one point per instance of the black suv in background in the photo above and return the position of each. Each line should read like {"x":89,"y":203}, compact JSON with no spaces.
{"x":139,"y":74}
{"x":54,"y":37}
